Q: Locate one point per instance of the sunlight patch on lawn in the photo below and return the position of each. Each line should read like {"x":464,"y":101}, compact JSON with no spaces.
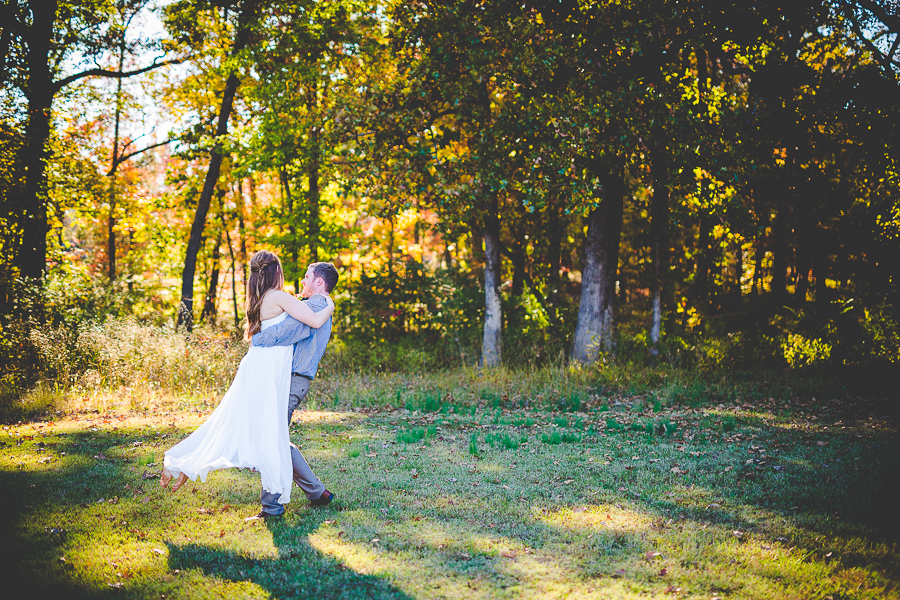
{"x":595,"y":517}
{"x":315,"y":417}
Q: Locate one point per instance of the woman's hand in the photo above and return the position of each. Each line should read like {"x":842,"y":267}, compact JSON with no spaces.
{"x":302,"y":312}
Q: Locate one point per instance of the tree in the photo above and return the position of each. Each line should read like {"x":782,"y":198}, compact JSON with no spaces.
{"x":180,"y":17}
{"x":37,"y":41}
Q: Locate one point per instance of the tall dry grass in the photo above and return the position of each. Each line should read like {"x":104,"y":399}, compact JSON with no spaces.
{"x":123,"y":364}
{"x":140,"y":365}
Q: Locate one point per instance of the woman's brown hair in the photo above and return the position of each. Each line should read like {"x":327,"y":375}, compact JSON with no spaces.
{"x":265,"y":274}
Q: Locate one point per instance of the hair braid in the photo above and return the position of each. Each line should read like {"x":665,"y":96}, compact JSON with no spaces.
{"x":265,"y":275}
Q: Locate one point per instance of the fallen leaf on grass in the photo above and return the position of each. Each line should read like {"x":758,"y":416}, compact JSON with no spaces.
{"x":672,"y":589}
{"x":713,"y":505}
{"x":619,"y":573}
{"x":376,"y":540}
{"x":738,"y":534}
{"x":158,"y":551}
{"x":568,"y":481}
{"x":651,"y":554}
{"x":663,"y":571}
{"x":508,"y":554}
{"x":678,"y":471}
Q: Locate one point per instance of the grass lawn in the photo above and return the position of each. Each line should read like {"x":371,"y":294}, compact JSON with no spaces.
{"x":788,"y":499}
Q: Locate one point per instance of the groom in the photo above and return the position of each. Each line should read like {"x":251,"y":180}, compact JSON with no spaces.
{"x":309,"y":346}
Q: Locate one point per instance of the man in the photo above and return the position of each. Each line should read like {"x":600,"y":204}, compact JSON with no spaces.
{"x":309,"y":346}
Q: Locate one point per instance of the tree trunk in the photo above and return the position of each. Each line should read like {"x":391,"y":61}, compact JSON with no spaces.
{"x":801,"y":282}
{"x":32,"y":256}
{"x":493,"y":314}
{"x":594,"y":329}
{"x":111,"y":226}
{"x":209,"y":305}
{"x":737,"y":271}
{"x":701,"y":273}
{"x":804,"y":229}
{"x":759,"y":254}
{"x":113,"y":167}
{"x":517,"y":256}
{"x":554,"y":233}
{"x":659,"y":239}
{"x":289,"y":210}
{"x":313,"y":168}
{"x":820,"y":271}
{"x":237,"y":321}
{"x":186,"y":309}
{"x":779,"y":256}
{"x":242,"y":231}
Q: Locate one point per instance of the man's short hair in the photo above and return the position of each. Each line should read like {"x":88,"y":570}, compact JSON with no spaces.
{"x":327,"y":272}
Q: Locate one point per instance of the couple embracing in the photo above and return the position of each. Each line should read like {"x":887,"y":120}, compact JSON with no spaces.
{"x":249,"y":427}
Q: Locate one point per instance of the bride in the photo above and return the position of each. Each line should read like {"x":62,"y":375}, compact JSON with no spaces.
{"x":249,"y":429}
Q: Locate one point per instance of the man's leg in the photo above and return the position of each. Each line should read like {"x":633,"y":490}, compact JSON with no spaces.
{"x":303,"y":475}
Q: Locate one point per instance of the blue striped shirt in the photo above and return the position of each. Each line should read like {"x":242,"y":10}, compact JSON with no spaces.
{"x":309,"y":344}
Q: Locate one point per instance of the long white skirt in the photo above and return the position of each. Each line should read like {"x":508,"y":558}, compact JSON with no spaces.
{"x":249,"y":428}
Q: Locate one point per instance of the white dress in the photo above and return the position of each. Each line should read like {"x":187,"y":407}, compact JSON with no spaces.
{"x":249,"y":428}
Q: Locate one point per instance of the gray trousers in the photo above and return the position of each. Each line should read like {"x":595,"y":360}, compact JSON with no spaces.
{"x":303,"y":475}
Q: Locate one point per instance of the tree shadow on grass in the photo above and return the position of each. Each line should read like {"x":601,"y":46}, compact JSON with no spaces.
{"x":299,"y":571}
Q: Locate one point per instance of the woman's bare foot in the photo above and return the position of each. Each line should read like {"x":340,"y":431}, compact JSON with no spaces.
{"x":182,"y":479}
{"x":165,"y":478}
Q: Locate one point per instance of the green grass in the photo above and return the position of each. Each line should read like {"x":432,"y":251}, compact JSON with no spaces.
{"x":782,"y":500}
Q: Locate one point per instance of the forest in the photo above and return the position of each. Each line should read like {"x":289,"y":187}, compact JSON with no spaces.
{"x":616,"y":312}
{"x":702,"y":185}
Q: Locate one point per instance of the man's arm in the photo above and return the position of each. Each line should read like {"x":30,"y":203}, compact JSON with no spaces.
{"x":290,"y":331}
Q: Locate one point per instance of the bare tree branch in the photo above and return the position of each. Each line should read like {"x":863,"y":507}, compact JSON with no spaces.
{"x":125,"y":157}
{"x":114,"y":74}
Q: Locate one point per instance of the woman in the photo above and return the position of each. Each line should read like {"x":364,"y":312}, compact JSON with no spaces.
{"x":249,"y":428}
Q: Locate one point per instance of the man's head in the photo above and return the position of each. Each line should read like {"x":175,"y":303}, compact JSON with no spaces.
{"x":320,"y":278}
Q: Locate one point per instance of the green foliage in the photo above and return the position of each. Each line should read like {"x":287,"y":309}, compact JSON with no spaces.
{"x":415,"y":434}
{"x":505,"y":441}
{"x":554,"y":438}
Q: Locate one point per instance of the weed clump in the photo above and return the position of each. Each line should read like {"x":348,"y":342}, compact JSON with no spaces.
{"x":416,"y":434}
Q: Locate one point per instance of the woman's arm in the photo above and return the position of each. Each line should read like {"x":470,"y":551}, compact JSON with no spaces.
{"x":302,"y":312}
